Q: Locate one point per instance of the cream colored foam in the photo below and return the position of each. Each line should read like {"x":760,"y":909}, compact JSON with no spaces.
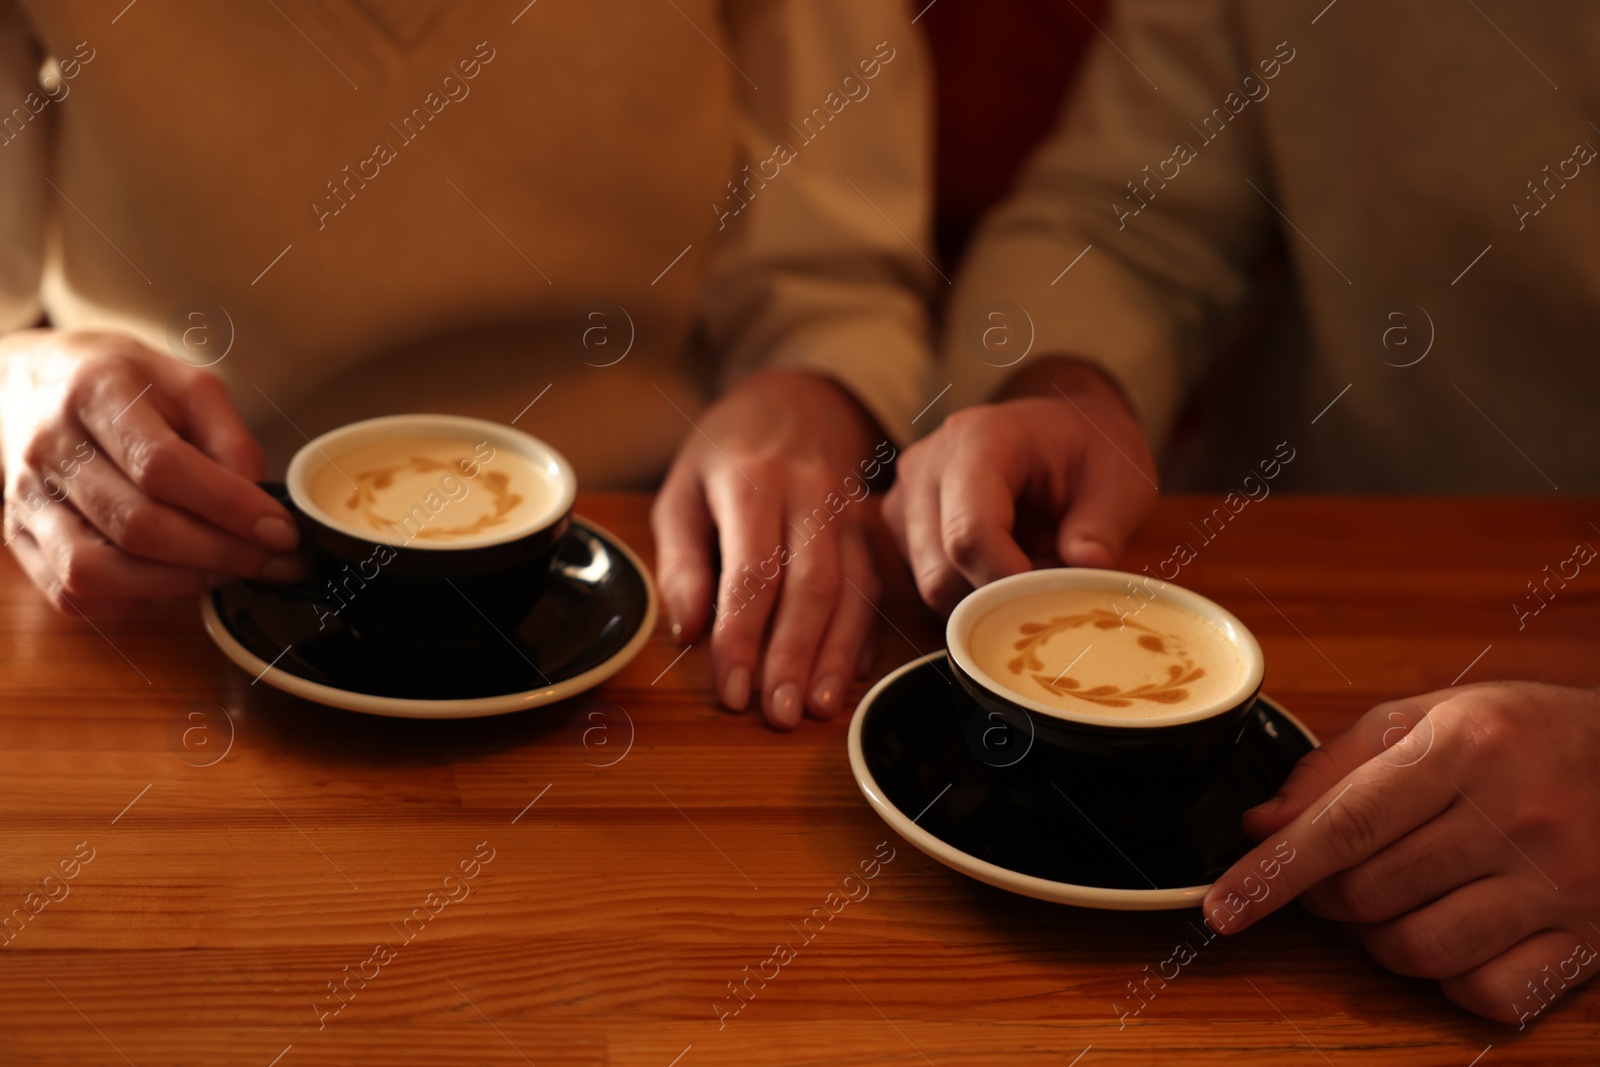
{"x":433,"y":491}
{"x":1105,"y":653}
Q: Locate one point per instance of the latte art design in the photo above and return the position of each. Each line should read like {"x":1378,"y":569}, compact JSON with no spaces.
{"x":1181,"y":672}
{"x":371,"y":483}
{"x":1094,"y":651}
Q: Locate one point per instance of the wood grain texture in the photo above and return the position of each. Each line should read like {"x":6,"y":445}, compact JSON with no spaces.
{"x":223,"y":897}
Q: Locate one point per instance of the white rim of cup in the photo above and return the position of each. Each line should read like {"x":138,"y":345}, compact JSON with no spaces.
{"x":316,"y":456}
{"x":981,"y":600}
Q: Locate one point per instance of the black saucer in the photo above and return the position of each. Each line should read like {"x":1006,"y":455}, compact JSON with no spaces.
{"x":913,"y":756}
{"x":593,"y":617}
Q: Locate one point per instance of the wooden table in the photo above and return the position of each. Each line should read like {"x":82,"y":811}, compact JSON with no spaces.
{"x":230,"y":885}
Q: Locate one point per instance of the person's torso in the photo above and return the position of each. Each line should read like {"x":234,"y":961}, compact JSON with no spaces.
{"x":1437,"y":173}
{"x":401,"y":205}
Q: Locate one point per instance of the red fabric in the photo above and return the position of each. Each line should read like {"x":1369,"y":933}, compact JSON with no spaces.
{"x":1001,"y":71}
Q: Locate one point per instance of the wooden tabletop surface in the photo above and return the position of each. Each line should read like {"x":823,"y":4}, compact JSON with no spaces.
{"x":204,"y":894}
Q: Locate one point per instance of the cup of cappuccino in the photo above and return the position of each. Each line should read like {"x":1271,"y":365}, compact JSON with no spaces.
{"x":415,"y":524}
{"x":1128,"y":691}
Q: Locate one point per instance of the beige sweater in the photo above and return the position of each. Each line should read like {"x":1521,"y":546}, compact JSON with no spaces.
{"x":1427,"y":166}
{"x":470,"y":207}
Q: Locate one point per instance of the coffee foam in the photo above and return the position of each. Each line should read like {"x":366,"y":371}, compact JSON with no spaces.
{"x":1083,"y":650}
{"x":430,"y":491}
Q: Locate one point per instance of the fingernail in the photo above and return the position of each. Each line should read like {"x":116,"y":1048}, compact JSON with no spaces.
{"x":1086,"y":553}
{"x":1267,"y":807}
{"x":826,"y":695}
{"x":674,"y":605}
{"x":283,"y":569}
{"x":677,"y":631}
{"x":736,"y":689}
{"x":785,"y":709}
{"x":276,"y":533}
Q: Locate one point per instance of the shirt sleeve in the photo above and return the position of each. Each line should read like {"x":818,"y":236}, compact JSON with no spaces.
{"x":1133,"y":234}
{"x":24,"y":116}
{"x":821,"y":263}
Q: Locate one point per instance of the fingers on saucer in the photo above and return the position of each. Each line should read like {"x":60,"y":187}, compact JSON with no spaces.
{"x":1316,"y":773}
{"x":1373,"y":807}
{"x":1399,"y":732}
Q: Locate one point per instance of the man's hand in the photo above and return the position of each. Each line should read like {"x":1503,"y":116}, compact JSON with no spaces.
{"x":774,"y":479}
{"x":1460,"y":831}
{"x":129,"y":476}
{"x":1065,"y":476}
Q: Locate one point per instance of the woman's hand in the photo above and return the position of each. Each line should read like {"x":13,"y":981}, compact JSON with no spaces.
{"x":773,"y":477}
{"x":1459,"y":831}
{"x":129,"y":476}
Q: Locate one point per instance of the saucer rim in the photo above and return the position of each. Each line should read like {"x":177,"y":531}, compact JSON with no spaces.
{"x":993,"y":874}
{"x":454,"y":708}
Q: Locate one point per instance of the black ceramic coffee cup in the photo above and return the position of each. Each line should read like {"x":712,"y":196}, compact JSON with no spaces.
{"x":1123,"y":769}
{"x":396,"y":582}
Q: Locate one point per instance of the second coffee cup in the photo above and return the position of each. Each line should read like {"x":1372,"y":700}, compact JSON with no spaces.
{"x":1124,"y":692}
